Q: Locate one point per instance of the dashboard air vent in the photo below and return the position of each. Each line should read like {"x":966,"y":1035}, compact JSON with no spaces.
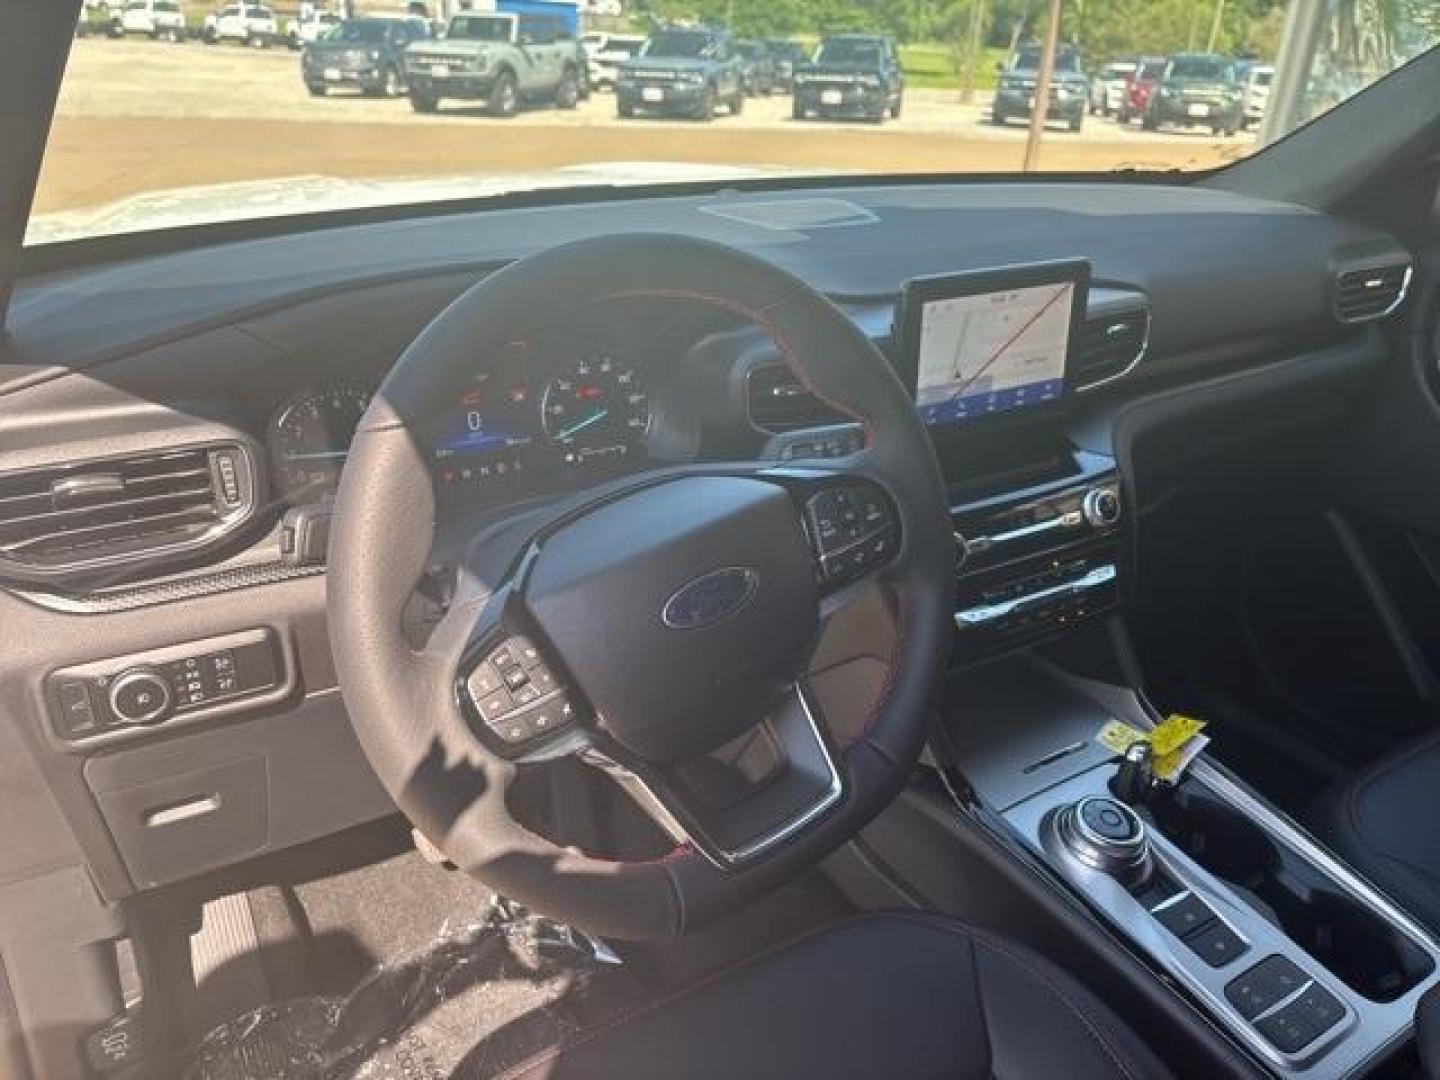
{"x":1109,"y":346}
{"x":114,"y":512}
{"x":778,"y":403}
{"x":1370,"y":292}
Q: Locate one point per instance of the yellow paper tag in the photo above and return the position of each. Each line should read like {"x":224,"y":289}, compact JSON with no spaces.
{"x":1174,"y":732}
{"x":1119,"y":737}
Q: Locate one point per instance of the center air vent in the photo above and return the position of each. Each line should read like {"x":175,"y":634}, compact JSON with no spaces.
{"x":1109,"y":346}
{"x":116,"y":512}
{"x":1370,"y":292}
{"x":778,"y":403}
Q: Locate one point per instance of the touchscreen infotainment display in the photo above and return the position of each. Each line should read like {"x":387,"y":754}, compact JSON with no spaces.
{"x":997,"y":342}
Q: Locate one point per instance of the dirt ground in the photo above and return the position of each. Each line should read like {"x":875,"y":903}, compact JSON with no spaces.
{"x":138,"y":116}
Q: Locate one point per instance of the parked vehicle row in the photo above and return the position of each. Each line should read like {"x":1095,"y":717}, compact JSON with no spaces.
{"x":1185,"y":90}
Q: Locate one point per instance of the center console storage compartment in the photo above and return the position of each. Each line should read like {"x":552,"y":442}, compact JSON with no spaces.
{"x":1363,"y":950}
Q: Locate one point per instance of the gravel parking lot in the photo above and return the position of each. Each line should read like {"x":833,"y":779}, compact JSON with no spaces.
{"x":139,"y":116}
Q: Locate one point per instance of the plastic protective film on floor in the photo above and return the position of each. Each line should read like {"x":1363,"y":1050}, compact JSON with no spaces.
{"x":479,"y":999}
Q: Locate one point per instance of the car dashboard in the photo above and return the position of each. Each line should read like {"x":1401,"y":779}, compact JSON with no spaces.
{"x":173,"y":425}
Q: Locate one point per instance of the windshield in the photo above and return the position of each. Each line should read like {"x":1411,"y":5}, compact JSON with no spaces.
{"x":849,"y":52}
{"x":1210,"y":68}
{"x":478,"y":28}
{"x":679,"y":45}
{"x":358,"y":30}
{"x":156,"y":129}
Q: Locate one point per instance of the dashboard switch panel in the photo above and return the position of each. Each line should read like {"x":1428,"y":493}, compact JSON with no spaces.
{"x":146,"y":690}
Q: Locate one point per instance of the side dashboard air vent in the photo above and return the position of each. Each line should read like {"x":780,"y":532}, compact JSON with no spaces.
{"x":1370,"y":292}
{"x":1109,"y":346}
{"x":115,"y":512}
{"x":778,"y":403}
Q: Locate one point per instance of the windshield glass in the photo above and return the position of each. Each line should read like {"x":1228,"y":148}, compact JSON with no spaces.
{"x":358,"y":30}
{"x":849,"y":52}
{"x":679,"y":45}
{"x":1199,"y":67}
{"x":164,"y":126}
{"x":478,"y":28}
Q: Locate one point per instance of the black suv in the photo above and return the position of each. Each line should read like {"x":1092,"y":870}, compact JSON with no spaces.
{"x":759,"y":67}
{"x":852,"y":75}
{"x":364,"y":53}
{"x":1197,"y":90}
{"x":1069,"y":89}
{"x":685,"y":70}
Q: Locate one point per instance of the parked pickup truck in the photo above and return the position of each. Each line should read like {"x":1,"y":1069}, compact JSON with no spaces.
{"x":503,"y":58}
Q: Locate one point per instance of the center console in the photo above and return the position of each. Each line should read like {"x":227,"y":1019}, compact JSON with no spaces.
{"x":1300,"y":960}
{"x":991,"y":359}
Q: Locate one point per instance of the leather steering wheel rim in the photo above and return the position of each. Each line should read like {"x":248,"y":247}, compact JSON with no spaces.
{"x":402,"y":703}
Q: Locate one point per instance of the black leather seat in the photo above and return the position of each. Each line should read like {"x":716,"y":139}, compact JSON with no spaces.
{"x":881,"y":996}
{"x":1382,"y":821}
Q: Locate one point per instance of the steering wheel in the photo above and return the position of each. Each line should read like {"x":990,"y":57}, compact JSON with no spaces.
{"x":658,"y":620}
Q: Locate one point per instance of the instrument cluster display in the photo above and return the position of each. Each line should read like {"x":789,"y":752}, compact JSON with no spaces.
{"x":526,"y":424}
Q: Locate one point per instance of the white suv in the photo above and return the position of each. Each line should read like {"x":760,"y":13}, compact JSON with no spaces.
{"x":154,"y":18}
{"x":248,"y":24}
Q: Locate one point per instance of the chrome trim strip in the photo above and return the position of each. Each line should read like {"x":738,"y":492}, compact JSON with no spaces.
{"x":827,"y":799}
{"x":974,"y":617}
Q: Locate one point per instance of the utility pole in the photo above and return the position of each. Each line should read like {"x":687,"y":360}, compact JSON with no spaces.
{"x":1043,"y":78}
{"x":1215,"y":26}
{"x":972,"y":50}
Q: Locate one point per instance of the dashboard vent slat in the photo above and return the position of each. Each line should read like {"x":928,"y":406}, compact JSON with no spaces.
{"x":1108,"y":346}
{"x":72,"y":518}
{"x":1370,"y":292}
{"x":779,"y":403}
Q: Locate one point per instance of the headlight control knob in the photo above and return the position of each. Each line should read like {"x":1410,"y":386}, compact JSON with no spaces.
{"x":140,"y":695}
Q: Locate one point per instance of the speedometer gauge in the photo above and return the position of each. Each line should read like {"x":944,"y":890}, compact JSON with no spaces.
{"x":310,"y":437}
{"x":596,"y":405}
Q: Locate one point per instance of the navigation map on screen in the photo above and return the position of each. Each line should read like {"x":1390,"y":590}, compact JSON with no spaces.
{"x":993,"y":352}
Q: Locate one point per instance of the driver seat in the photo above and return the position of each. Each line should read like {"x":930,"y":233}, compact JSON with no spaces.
{"x":899,"y":996}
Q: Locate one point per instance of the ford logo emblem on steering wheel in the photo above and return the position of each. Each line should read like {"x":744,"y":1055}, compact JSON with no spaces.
{"x":710,"y":598}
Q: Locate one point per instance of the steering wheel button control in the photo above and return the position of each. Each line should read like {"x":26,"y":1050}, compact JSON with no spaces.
{"x":516,"y":693}
{"x":1265,"y":985}
{"x":852,"y":529}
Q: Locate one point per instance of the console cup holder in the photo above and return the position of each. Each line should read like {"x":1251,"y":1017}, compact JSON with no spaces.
{"x":1359,"y":947}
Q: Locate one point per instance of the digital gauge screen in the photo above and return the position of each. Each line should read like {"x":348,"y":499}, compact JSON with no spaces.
{"x":512,"y":433}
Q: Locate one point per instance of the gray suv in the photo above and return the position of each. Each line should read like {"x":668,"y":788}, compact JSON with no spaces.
{"x":500,"y":58}
{"x":682,"y":70}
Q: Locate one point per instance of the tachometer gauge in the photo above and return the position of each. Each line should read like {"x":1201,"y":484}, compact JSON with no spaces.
{"x":310,"y":437}
{"x":596,"y":405}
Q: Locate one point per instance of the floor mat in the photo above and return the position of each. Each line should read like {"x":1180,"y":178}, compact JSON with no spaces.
{"x":470,"y":1003}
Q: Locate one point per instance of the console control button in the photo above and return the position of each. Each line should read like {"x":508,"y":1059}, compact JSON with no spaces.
{"x":1302,"y":1021}
{"x":1268,"y":983}
{"x":1184,"y":916}
{"x":1106,"y":819}
{"x":140,"y":696}
{"x":1216,"y":944}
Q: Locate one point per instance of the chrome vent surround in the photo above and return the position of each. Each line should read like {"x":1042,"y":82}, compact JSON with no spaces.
{"x":111,"y":513}
{"x":1371,"y":292}
{"x":777,"y":402}
{"x":1109,"y":346}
